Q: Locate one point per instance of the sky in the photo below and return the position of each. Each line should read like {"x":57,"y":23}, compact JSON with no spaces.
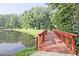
{"x":17,"y":8}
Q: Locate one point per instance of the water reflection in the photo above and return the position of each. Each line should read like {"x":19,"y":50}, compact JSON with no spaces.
{"x":10,"y":48}
{"x":12,"y":41}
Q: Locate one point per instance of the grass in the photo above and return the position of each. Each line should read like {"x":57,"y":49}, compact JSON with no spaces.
{"x":26,"y":52}
{"x":33,"y":32}
{"x":29,"y":31}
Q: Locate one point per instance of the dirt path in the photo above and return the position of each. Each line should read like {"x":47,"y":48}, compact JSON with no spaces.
{"x":44,"y":53}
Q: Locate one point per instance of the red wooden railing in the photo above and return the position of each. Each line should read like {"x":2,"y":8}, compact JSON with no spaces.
{"x":68,"y":38}
{"x":41,"y":38}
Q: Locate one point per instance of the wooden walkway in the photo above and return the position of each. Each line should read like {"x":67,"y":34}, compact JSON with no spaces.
{"x":57,"y":41}
{"x":53,"y":44}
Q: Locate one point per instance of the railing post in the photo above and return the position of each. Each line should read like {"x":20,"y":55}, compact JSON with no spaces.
{"x":61,"y":37}
{"x":73,"y":45}
{"x":40,"y":40}
{"x":39,"y":37}
{"x":67,"y":42}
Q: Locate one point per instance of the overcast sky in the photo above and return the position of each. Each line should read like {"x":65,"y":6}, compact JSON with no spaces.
{"x":17,"y":8}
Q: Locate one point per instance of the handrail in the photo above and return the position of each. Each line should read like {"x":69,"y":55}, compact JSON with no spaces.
{"x":41,"y":33}
{"x":41,"y":38}
{"x":65,"y":33}
{"x":68,"y":38}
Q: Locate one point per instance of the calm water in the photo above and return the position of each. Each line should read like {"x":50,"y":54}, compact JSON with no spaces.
{"x":10,"y":48}
{"x":12,"y":41}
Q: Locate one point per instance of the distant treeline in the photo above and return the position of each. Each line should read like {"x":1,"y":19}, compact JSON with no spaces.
{"x":36,"y":18}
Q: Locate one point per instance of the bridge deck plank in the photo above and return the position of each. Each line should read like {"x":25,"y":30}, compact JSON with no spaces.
{"x":56,"y":46}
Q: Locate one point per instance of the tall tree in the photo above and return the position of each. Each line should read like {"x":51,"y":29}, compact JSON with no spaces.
{"x":37,"y":17}
{"x":66,"y":17}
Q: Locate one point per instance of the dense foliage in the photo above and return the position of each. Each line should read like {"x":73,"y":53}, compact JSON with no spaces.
{"x":35,"y":18}
{"x":9,"y":21}
{"x":66,"y":17}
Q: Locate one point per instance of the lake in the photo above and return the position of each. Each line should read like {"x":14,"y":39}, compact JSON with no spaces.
{"x":13,"y":41}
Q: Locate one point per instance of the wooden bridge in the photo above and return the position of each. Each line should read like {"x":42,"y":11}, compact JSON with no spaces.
{"x":57,"y":41}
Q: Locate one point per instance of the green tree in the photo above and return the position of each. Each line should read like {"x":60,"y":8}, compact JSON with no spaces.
{"x":37,"y":18}
{"x":66,"y":17}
